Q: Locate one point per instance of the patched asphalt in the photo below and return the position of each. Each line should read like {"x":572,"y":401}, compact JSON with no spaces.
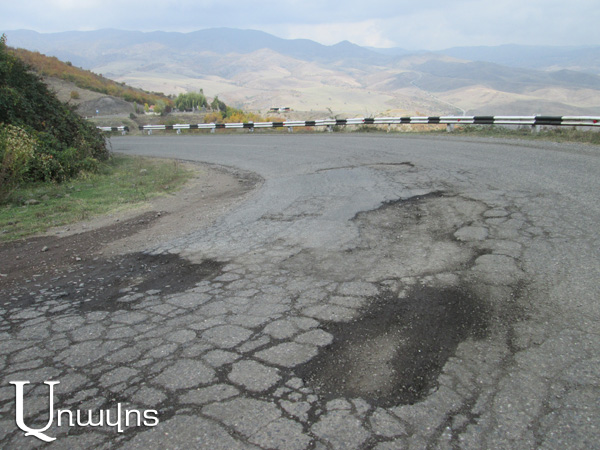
{"x":375,"y":292}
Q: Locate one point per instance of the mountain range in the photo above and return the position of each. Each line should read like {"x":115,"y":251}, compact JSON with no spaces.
{"x":255,"y":70}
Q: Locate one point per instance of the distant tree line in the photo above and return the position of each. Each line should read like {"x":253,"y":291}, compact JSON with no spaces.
{"x":220,"y":112}
{"x":191,"y":101}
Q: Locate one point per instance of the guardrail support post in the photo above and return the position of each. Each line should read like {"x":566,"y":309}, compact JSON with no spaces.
{"x":329,"y":129}
{"x":149,"y":132}
{"x":536,"y":128}
{"x":212,"y":130}
{"x":450,"y":127}
{"x":290,"y":129}
{"x":178,"y":130}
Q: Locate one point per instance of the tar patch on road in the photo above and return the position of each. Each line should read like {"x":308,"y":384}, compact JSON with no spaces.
{"x":109,"y":284}
{"x":52,"y":269}
{"x":395,"y":352}
{"x":138,"y":273}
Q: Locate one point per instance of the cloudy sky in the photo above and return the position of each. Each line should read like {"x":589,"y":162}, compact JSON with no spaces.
{"x":413,"y":25}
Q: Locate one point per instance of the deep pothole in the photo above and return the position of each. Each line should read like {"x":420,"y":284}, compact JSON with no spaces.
{"x":395,"y":352}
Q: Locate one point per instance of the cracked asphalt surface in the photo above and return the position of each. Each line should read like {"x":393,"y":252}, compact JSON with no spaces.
{"x":374,"y":292}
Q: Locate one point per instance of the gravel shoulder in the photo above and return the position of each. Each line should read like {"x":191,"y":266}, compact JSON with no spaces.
{"x":64,"y":252}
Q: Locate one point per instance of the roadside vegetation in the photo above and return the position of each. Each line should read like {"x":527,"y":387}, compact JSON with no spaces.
{"x":55,"y":167}
{"x":121,"y":182}
{"x":216,"y":111}
{"x":558,"y":134}
{"x":41,"y":138}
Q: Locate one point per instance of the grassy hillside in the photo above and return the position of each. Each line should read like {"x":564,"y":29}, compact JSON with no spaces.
{"x":52,"y":67}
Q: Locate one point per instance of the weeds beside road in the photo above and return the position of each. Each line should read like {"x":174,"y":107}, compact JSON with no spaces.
{"x":122,"y":182}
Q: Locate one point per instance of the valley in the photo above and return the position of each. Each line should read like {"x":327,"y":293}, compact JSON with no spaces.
{"x":255,"y":71}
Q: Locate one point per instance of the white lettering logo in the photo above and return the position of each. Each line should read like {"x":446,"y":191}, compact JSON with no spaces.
{"x":20,"y":419}
{"x":148,"y":417}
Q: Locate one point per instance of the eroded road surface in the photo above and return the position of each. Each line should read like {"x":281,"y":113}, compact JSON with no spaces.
{"x":372,"y":292}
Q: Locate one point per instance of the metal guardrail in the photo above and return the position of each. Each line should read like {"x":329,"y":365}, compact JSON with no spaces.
{"x":123,"y":129}
{"x":449,"y":121}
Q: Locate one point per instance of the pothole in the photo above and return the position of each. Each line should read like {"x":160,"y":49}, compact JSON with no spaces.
{"x":395,"y":352}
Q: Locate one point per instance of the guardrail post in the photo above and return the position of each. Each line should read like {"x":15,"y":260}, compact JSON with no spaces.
{"x":178,"y":130}
{"x":149,"y":132}
{"x":290,"y":129}
{"x":212,"y":130}
{"x":329,"y":129}
{"x":536,"y":128}
{"x":450,"y":127}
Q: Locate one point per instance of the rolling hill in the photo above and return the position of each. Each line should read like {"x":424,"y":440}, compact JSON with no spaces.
{"x":80,"y":80}
{"x":254,"y":70}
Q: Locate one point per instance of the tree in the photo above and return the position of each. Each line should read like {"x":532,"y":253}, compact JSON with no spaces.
{"x":190,"y":101}
{"x":218,"y":105}
{"x":160,"y":107}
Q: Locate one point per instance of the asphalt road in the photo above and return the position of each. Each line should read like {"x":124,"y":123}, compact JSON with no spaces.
{"x":376,"y":291}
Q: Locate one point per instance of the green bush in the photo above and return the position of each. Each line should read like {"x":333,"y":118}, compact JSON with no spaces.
{"x":17,"y":151}
{"x":41,"y":138}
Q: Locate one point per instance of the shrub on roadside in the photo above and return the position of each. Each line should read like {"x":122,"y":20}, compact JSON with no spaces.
{"x":213,"y":117}
{"x":41,"y":138}
{"x":17,"y":150}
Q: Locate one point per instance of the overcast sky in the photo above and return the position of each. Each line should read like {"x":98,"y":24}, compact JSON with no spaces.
{"x":413,"y":25}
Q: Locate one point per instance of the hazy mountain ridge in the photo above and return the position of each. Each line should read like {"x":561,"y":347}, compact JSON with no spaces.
{"x":256,"y":70}
{"x":91,"y":46}
{"x":581,"y":59}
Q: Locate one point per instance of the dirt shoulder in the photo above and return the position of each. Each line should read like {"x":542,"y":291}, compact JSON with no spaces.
{"x":89,"y":252}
